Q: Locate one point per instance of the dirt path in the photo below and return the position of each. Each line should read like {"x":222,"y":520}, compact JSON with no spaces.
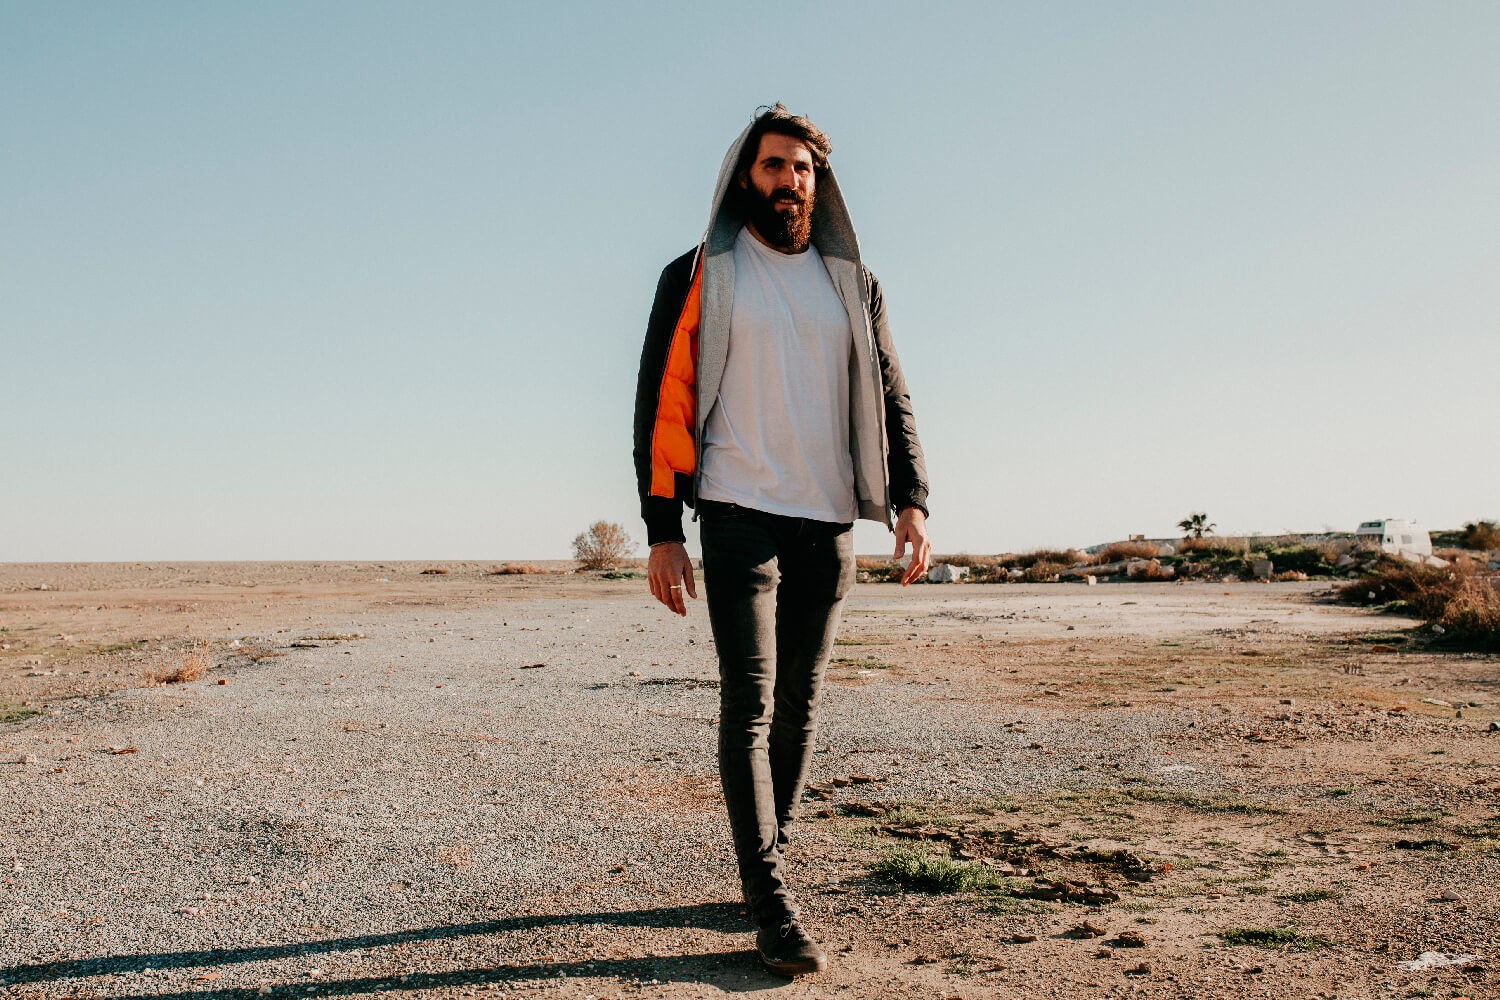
{"x":458,"y":784}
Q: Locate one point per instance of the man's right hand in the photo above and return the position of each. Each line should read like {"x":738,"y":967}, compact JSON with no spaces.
{"x":670,"y":573}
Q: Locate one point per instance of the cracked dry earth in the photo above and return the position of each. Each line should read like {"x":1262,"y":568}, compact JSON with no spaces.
{"x":460,"y":785}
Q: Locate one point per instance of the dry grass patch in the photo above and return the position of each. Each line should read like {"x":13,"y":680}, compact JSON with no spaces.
{"x":1044,"y":571}
{"x":1463,"y":604}
{"x":191,"y":667}
{"x":11,"y":712}
{"x":513,"y":569}
{"x":1472,"y":614}
{"x":1118,"y":551}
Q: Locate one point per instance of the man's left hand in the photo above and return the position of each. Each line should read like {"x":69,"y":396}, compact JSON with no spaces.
{"x":911,"y":526}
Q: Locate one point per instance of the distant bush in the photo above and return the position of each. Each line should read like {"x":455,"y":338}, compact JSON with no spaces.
{"x":1044,"y":571}
{"x":602,"y":546}
{"x":1227,"y":545}
{"x":1116,"y":551}
{"x":1480,"y":535}
{"x":1310,"y":559}
{"x":991,"y":572}
{"x":513,"y":569}
{"x":1023,"y":560}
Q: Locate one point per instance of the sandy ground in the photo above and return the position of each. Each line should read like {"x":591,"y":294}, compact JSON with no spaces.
{"x":446,"y":785}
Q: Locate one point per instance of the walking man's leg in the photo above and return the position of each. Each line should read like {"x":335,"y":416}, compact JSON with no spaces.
{"x":817,"y":570}
{"x":740,"y":575}
{"x":775,"y":586}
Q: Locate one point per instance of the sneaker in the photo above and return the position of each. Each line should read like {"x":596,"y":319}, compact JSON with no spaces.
{"x":786,"y":950}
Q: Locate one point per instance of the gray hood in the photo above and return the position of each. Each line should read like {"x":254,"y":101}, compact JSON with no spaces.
{"x":832,"y":231}
{"x":833,"y":236}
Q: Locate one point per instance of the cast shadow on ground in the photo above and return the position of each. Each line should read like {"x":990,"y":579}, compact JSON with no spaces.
{"x":730,"y":971}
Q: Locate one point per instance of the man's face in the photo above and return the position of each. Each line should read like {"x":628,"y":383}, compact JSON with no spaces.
{"x":779,"y":192}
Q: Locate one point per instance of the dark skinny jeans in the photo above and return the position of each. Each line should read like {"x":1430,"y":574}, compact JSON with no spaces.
{"x":775,"y":587}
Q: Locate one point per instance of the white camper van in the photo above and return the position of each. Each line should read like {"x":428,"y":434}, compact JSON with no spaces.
{"x":1396,"y":536}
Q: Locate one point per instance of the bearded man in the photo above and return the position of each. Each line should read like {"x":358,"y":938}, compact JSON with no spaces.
{"x":771,"y":399}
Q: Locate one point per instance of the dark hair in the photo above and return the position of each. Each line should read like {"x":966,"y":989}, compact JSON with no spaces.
{"x":779,"y":121}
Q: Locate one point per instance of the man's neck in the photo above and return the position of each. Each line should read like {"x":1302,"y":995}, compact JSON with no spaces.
{"x":779,"y":249}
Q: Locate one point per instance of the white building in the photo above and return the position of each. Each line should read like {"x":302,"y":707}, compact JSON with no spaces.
{"x":1396,"y":536}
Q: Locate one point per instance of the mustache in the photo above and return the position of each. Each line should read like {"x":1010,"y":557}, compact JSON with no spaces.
{"x":788,"y":194}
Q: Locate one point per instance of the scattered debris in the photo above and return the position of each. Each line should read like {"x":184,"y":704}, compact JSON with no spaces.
{"x":1435,"y":960}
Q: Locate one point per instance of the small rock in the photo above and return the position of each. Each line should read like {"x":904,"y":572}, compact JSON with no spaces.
{"x":28,"y":758}
{"x":1087,"y":929}
{"x":1022,"y":938}
{"x":1143,"y":969}
{"x":1494,"y":726}
{"x":1129,"y":939}
{"x":1450,"y":896}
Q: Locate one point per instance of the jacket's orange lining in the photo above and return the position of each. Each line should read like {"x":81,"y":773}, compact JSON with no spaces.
{"x":672,"y":449}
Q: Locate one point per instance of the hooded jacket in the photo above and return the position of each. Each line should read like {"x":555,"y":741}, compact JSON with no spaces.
{"x":687,"y":346}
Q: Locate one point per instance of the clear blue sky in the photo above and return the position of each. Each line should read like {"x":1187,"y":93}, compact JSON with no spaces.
{"x":360,"y":280}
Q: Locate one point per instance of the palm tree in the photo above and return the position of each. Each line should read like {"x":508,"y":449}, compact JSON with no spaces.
{"x":1196,"y":525}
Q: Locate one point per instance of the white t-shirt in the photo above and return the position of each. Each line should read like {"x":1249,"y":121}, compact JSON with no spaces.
{"x":777,"y":437}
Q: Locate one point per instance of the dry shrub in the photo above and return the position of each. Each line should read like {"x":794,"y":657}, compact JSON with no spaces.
{"x":871,"y":562}
{"x":1023,"y":560}
{"x":1422,"y":590}
{"x":963,"y":559}
{"x":1465,"y":603}
{"x":1290,"y":576}
{"x":191,"y":668}
{"x":1044,"y":571}
{"x":1481,"y":535}
{"x":1117,"y":551}
{"x":1472,"y":614}
{"x":989,"y":572}
{"x":513,"y":569}
{"x":602,"y":545}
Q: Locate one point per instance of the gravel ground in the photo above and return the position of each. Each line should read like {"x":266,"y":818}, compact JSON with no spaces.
{"x":522,"y":798}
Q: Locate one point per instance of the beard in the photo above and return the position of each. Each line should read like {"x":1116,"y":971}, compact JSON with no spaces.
{"x":784,"y":227}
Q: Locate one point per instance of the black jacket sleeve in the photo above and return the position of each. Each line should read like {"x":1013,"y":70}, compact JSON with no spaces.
{"x":904,"y":462}
{"x":663,"y":515}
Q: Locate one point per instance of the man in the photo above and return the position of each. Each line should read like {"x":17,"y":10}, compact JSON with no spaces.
{"x":770,"y":398}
